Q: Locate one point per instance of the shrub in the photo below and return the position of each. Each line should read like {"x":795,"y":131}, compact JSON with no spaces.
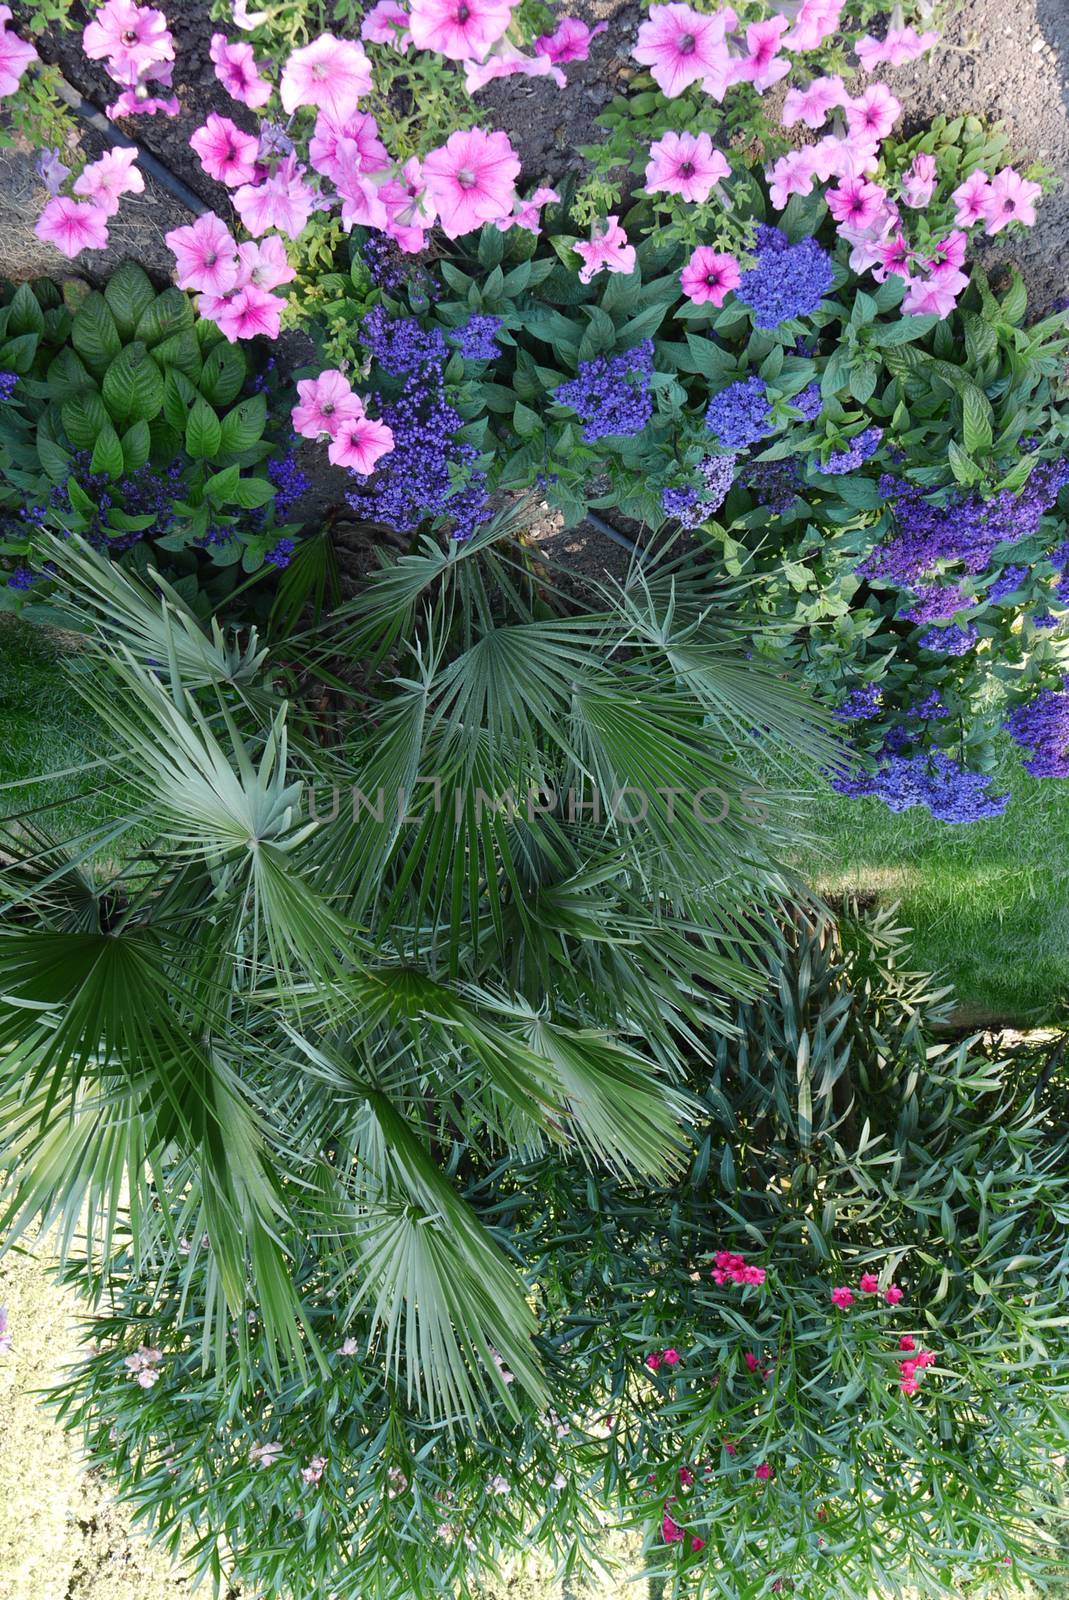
{"x":129,"y":422}
{"x":761,"y":1433}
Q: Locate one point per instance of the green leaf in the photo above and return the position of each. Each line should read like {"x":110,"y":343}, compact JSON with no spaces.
{"x":1014,"y":303}
{"x":181,"y":350}
{"x":179,"y":398}
{"x":107,"y":453}
{"x":17,"y":355}
{"x":133,"y":386}
{"x":491,"y":247}
{"x":94,"y":333}
{"x":221,"y":486}
{"x":977,"y":420}
{"x":136,"y":446}
{"x":129,"y":293}
{"x":963,"y":467}
{"x":862,"y":381}
{"x":25,"y":314}
{"x":169,"y":313}
{"x":203,"y":433}
{"x":53,"y":458}
{"x":243,"y":427}
{"x":83,"y":418}
{"x":68,"y":374}
{"x":223,"y":374}
{"x":525,"y":421}
{"x":253,"y":492}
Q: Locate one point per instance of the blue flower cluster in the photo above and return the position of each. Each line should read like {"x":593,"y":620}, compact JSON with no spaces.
{"x":289,"y":481}
{"x":1042,"y":726}
{"x":150,"y":492}
{"x":611,"y":394}
{"x":21,"y":579}
{"x":952,"y":641}
{"x":773,"y":484}
{"x":857,"y":452}
{"x":958,"y":527}
{"x":718,"y":474}
{"x":929,"y":778}
{"x":8,"y":380}
{"x":861,"y":704}
{"x":477,"y":339}
{"x":683,"y":504}
{"x":787,"y":280}
{"x":936,"y":602}
{"x":429,"y":472}
{"x":1060,"y":560}
{"x":384,"y":262}
{"x":688,"y":506}
{"x":400,"y":345}
{"x":810,"y":402}
{"x":741,"y":414}
{"x":280,"y":555}
{"x":1008,"y":582}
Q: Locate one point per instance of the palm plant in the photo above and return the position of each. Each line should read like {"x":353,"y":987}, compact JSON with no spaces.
{"x":258,"y":1018}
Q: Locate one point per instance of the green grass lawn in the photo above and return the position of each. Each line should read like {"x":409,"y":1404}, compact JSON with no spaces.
{"x":988,"y":901}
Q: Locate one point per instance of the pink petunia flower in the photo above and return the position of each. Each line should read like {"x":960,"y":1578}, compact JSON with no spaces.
{"x":528,"y":213}
{"x":248,"y":312}
{"x":129,"y":37}
{"x":238,"y":72}
{"x":793,"y":173}
{"x":265,"y":264}
{"x":873,"y":114}
{"x":907,"y":1342}
{"x":935,"y":296}
{"x":283,"y":201}
{"x":812,"y":104}
{"x":653,"y":1361}
{"x":685,"y":164}
{"x":1010,"y":198}
{"x":206,"y":256}
{"x":816,"y":19}
{"x":116,"y":173}
{"x":909,"y":1385}
{"x":869,"y":1284}
{"x":364,"y":147}
{"x":842,"y":1297}
{"x":670,"y":1357}
{"x":569,"y":41}
{"x":762,"y":65}
{"x":893,"y":1294}
{"x":324,"y":404}
{"x":363,"y":202}
{"x":226,"y":154}
{"x":763,"y":1473}
{"x":681,"y":45}
{"x":855,"y":201}
{"x":140,"y":100}
{"x":461,"y":30}
{"x":72,"y":227}
{"x":472,"y":179}
{"x":15,"y":56}
{"x":925,"y":1358}
{"x":506,"y":61}
{"x":899,"y":46}
{"x":329,"y":73}
{"x":849,"y":157}
{"x":359,"y":443}
{"x":387,"y":23}
{"x":607,"y":249}
{"x":971,"y":198}
{"x":244,"y":18}
{"x":918,"y":184}
{"x":410,"y":210}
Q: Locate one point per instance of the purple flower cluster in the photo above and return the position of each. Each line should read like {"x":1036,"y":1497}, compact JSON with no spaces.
{"x":150,"y":492}
{"x":477,"y":339}
{"x":718,"y":474}
{"x":611,"y":394}
{"x":683,"y":504}
{"x":958,"y":527}
{"x":419,"y":478}
{"x":280,"y":556}
{"x":810,"y":402}
{"x":384,"y":262}
{"x":8,"y":380}
{"x":930,"y":708}
{"x":289,"y":481}
{"x":1042,"y":726}
{"x":1059,"y":559}
{"x":929,"y":779}
{"x":787,"y":280}
{"x":688,"y":506}
{"x":936,"y":602}
{"x":741,"y":414}
{"x":861,"y":704}
{"x":857,"y":452}
{"x":952,"y":641}
{"x":21,"y":579}
{"x":400,"y":345}
{"x":773,"y":484}
{"x":1008,"y":582}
